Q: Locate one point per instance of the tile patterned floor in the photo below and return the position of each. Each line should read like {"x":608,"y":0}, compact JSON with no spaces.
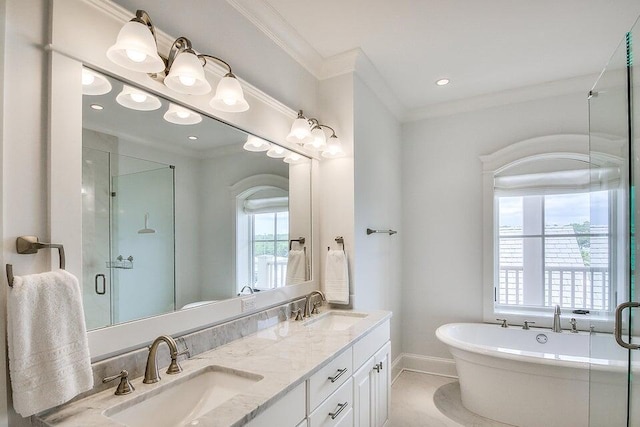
{"x":423,"y":400}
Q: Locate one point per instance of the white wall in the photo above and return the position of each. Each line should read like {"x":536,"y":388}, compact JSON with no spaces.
{"x":378,"y":191}
{"x":442,"y":207}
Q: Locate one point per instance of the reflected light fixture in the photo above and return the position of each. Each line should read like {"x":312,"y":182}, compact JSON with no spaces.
{"x":192,"y":137}
{"x":277,"y":152}
{"x":136,"y":47}
{"x":182,"y":70}
{"x":181,"y":116}
{"x":97,"y":107}
{"x":94,"y":83}
{"x":300,"y":130}
{"x":442,"y":82}
{"x":256,"y":144}
{"x":137,"y":99}
{"x":293,"y":158}
{"x":334,"y":148}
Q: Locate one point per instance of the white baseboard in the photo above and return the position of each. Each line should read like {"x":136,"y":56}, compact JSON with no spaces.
{"x":425,"y":364}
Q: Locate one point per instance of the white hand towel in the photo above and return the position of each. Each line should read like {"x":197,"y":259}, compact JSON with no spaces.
{"x":336,"y":277}
{"x":49,"y":361}
{"x":296,"y":267}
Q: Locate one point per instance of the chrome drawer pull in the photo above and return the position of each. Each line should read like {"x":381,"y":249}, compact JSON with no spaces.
{"x":341,"y":407}
{"x":340,"y":373}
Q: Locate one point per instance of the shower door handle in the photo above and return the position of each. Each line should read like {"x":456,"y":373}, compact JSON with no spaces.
{"x":104,"y":284}
{"x":618,"y":327}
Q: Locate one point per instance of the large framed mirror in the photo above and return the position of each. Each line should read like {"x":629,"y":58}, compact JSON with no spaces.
{"x":180,"y":209}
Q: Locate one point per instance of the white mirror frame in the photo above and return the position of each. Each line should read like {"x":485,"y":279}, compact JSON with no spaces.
{"x":82,"y":30}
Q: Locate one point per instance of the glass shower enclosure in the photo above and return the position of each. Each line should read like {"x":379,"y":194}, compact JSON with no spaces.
{"x":614,"y":149}
{"x":128,"y":260}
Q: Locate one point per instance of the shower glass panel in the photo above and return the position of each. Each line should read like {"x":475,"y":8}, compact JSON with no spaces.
{"x":128,"y":238}
{"x":613,"y":394}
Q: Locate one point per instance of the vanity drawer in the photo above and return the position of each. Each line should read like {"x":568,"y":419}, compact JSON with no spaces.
{"x":339,"y":406}
{"x":287,"y":411}
{"x":367,"y":346}
{"x":329,"y":378}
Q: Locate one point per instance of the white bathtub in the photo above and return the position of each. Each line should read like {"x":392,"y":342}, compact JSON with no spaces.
{"x":505,"y":374}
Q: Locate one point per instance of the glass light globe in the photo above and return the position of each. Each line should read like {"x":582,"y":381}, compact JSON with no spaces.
{"x":137,"y":99}
{"x":256,"y":144}
{"x":229,"y":96}
{"x":300,"y":131}
{"x":181,"y":116}
{"x":187,"y":75}
{"x":135,"y":49}
{"x":318,"y":140}
{"x":94,"y":83}
{"x":277,"y":152}
{"x":334,"y":148}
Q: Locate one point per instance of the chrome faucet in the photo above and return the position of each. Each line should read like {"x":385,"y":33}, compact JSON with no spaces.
{"x":307,"y":303}
{"x":245,"y":287}
{"x":151,"y":374}
{"x":556,"y":320}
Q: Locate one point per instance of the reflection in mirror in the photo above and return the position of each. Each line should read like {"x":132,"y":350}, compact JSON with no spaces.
{"x":180,"y":209}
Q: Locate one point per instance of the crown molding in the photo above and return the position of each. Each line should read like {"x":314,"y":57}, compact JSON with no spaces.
{"x":273,"y":25}
{"x":575,"y":85}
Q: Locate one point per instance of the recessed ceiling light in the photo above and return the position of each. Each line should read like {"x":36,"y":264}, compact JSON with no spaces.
{"x":442,"y":82}
{"x":192,"y":137}
{"x":97,"y":107}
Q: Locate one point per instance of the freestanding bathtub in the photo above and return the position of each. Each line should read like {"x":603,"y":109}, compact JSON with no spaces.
{"x":538,"y":378}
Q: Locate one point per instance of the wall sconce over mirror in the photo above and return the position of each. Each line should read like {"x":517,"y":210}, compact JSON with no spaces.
{"x":309,"y":132}
{"x":182,"y":71}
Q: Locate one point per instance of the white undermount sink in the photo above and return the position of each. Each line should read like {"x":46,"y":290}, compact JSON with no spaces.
{"x":335,"y":321}
{"x":182,"y":402}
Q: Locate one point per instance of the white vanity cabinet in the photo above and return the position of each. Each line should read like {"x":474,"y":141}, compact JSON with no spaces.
{"x":371,"y":391}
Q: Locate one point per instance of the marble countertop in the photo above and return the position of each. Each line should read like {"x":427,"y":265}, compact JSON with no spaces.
{"x":285,"y":355}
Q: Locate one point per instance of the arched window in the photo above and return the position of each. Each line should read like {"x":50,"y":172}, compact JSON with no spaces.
{"x":553,"y":211}
{"x":262,"y":232}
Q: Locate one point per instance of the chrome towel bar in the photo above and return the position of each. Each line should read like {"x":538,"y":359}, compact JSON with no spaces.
{"x":31,"y":245}
{"x":389,"y":232}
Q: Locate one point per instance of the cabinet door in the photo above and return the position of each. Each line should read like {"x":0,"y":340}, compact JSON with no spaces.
{"x":382,"y":383}
{"x":363,"y":394}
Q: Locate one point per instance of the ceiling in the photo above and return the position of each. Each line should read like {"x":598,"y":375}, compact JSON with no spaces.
{"x":483,"y":47}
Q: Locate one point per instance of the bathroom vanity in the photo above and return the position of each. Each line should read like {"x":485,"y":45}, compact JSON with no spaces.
{"x":330,"y":370}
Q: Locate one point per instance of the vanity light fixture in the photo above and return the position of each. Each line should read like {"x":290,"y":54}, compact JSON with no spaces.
{"x":310,"y":133}
{"x":277,"y":152}
{"x":442,"y":82}
{"x":97,"y":107}
{"x":256,"y":144}
{"x":136,"y":47}
{"x":181,"y":116}
{"x":182,"y":70}
{"x":94,"y":83}
{"x":300,"y":130}
{"x":293,"y":158}
{"x":136,"y":99}
{"x":334,"y":148}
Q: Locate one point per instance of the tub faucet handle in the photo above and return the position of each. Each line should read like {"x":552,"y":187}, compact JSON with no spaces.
{"x":574,"y":325}
{"x":504,"y":323}
{"x":526,"y":325}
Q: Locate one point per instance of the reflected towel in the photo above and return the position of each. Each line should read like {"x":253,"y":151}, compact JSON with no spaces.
{"x":336,"y":277}
{"x":49,"y":361}
{"x":296,"y":267}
